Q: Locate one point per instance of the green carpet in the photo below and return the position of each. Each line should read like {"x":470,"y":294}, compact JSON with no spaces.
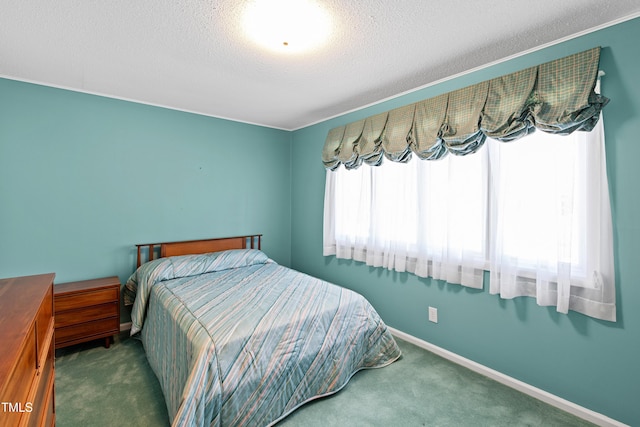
{"x":115,"y":387}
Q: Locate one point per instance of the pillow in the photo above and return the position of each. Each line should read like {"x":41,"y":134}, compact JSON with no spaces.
{"x":191,"y":265}
{"x":138,"y":287}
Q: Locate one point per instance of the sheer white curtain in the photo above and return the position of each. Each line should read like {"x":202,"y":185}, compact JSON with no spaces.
{"x":535,"y":213}
{"x":551,"y":232}
{"x":425,"y":217}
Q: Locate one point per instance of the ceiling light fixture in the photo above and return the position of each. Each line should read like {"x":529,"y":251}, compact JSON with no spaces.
{"x":291,"y":26}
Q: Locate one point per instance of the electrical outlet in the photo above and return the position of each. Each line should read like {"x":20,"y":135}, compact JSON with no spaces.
{"x":433,"y":314}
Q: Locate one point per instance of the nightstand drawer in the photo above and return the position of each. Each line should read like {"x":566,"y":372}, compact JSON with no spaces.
{"x":87,"y":310}
{"x":85,"y":331}
{"x":86,"y":314}
{"x":85,"y":299}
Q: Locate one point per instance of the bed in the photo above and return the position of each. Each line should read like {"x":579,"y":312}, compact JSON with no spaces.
{"x":235,"y":339}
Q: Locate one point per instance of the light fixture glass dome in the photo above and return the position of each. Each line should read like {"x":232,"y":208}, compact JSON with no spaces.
{"x":287,"y":25}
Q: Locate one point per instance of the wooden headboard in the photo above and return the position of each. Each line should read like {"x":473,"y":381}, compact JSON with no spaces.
{"x":191,"y":247}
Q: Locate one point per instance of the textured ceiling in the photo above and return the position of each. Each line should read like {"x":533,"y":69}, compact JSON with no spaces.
{"x":192,"y":55}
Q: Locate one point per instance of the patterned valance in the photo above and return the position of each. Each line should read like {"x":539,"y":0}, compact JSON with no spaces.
{"x":557,"y":97}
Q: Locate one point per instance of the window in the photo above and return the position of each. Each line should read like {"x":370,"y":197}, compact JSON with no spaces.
{"x":534,"y":213}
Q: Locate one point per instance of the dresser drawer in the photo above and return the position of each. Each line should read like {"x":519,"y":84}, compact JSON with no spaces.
{"x":86,"y":314}
{"x":19,"y":381}
{"x":84,"y":299}
{"x":46,"y":416}
{"x":42,"y":403}
{"x":44,"y":322}
{"x":88,"y":330}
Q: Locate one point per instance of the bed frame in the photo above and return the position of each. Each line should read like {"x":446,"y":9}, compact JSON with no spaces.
{"x":191,"y":247}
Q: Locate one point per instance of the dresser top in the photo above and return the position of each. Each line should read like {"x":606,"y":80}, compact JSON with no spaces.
{"x":20,"y":299}
{"x":83,"y":285}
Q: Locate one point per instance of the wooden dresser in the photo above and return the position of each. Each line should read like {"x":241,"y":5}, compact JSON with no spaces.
{"x":87,"y":310}
{"x":27,"y":356}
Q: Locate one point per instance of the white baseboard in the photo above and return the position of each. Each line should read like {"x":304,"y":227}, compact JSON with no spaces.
{"x":125,"y":327}
{"x":523,"y":387}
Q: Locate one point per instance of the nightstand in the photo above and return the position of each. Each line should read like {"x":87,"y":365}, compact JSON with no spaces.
{"x":86,"y":310}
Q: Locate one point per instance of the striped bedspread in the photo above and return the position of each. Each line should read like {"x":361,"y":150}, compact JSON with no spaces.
{"x":238,"y":340}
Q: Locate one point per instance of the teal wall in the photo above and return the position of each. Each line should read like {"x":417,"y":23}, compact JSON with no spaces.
{"x":84,"y":178}
{"x":592,"y":363}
